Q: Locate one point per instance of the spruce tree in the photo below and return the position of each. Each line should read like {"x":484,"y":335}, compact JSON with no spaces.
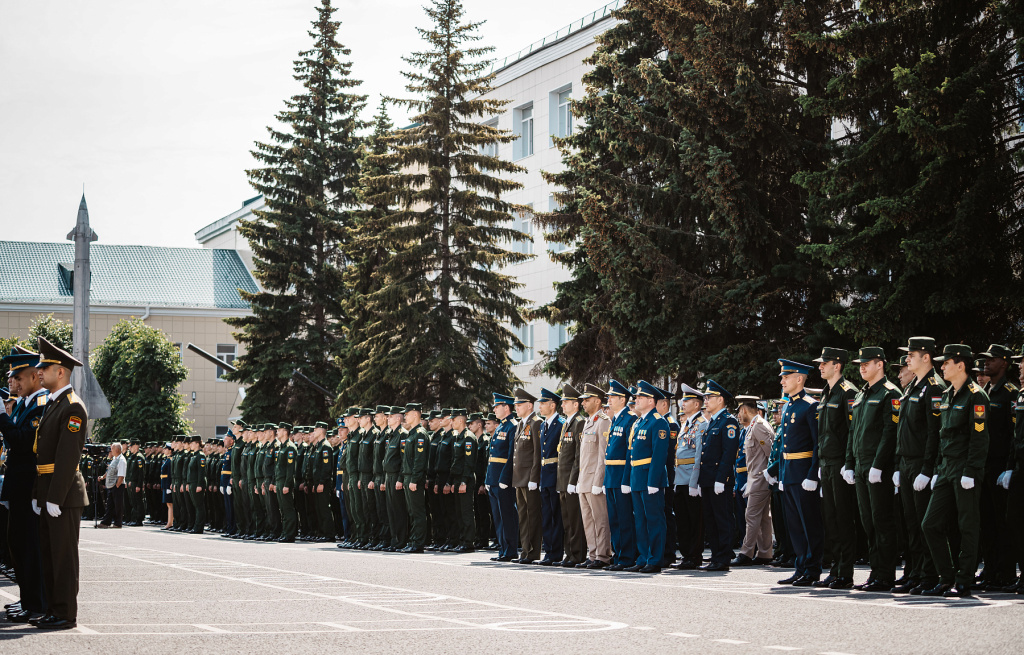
{"x":438,"y":329}
{"x":309,"y":180}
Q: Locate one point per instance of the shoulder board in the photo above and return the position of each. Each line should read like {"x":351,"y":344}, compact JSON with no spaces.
{"x":604,"y":416}
{"x":808,"y":399}
{"x":657,"y":415}
{"x":973,"y":387}
{"x":73,"y":398}
{"x":701,"y":418}
{"x":847,"y":386}
{"x":40,"y":400}
{"x":890,"y":386}
{"x":934,"y":380}
{"x":1011,"y":386}
{"x":632,"y":413}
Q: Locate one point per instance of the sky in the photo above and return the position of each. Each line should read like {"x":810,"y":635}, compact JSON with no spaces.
{"x":154,"y":107}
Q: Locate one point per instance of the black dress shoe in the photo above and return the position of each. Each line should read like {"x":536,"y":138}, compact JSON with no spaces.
{"x":13,"y":607}
{"x":904,"y":588}
{"x":195,"y":532}
{"x":651,"y":569}
{"x":597,"y":564}
{"x":462,"y":550}
{"x":902,"y":580}
{"x":938,"y":590}
{"x":523,"y":560}
{"x":883,"y":586}
{"x":923,"y":586}
{"x":287,"y":540}
{"x":958,"y":591}
{"x":763,"y":561}
{"x":685,"y":565}
{"x":860,"y":587}
{"x":742,"y":560}
{"x":826,"y":582}
{"x":545,"y":562}
{"x":585,"y":563}
{"x":413,"y":550}
{"x":714,"y":566}
{"x":616,"y":567}
{"x":56,"y":624}
{"x":38,"y":620}
{"x":791,"y":579}
{"x":842,"y":583}
{"x":806,"y":581}
{"x":633,"y":569}
{"x":23,"y":616}
{"x":507,"y":558}
{"x":569,"y":564}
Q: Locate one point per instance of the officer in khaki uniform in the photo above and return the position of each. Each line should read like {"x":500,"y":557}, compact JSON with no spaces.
{"x":59,"y":493}
{"x":960,"y":467}
{"x":568,"y":474}
{"x":590,"y":479}
{"x":526,"y":477}
{"x":758,"y":437}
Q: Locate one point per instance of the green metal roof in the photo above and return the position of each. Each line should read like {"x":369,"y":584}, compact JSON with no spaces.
{"x":125,"y":275}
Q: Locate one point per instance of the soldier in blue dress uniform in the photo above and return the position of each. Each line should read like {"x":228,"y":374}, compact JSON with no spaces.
{"x":717,"y":471}
{"x":616,"y":484}
{"x":664,"y":407}
{"x":498,"y":481}
{"x":551,"y":509}
{"x":797,"y":475}
{"x":647,"y":451}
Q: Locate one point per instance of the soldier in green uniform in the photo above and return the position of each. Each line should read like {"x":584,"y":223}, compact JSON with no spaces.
{"x":298,"y":437}
{"x":839,"y":500}
{"x":870,"y":464}
{"x":238,"y":477}
{"x":284,"y":483}
{"x":177,"y":510}
{"x":254,"y":476}
{"x":960,"y":466}
{"x":398,"y":512}
{"x":367,"y":436}
{"x":135,"y":475}
{"x":917,"y":445}
{"x":445,"y":523}
{"x":462,"y":476}
{"x":350,"y":466}
{"x":270,"y":453}
{"x":1000,"y":570}
{"x":195,"y":481}
{"x":414,"y":477}
{"x":380,"y":447}
{"x":321,"y":488}
{"x":186,"y":497}
{"x":436,"y":427}
{"x":482,"y":502}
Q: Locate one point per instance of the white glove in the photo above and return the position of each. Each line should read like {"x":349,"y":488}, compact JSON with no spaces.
{"x":920,"y":482}
{"x":809,"y":485}
{"x":965,"y":482}
{"x":222,"y":489}
{"x":597,"y":491}
{"x":487,"y":487}
{"x":719,"y":488}
{"x":570,"y":489}
{"x":935,"y":478}
{"x":54,"y":510}
{"x":502,"y":485}
{"x":780,"y":486}
{"x":653,"y":490}
{"x":848,"y":477}
{"x":1004,"y":479}
{"x":338,"y":494}
{"x":874,"y":475}
{"x":35,"y":506}
{"x":743,"y":489}
{"x":694,"y":492}
{"x":227,"y":490}
{"x":769,"y":478}
{"x":625,"y":489}
{"x":896,"y":478}
{"x":531,"y":486}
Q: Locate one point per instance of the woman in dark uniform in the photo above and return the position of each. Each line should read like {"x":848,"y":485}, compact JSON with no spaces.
{"x":165,"y":485}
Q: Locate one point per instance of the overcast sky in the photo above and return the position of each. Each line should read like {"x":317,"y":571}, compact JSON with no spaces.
{"x":155,"y":106}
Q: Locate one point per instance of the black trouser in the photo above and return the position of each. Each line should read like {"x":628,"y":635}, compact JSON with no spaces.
{"x":115,"y":506}
{"x":994,"y":548}
{"x":23,"y":544}
{"x":398,"y":513}
{"x":58,"y":543}
{"x":839,"y":511}
{"x":718,"y":516}
{"x":783,"y":546}
{"x":915,"y":504}
{"x":670,"y":523}
{"x":1015,"y":519}
{"x":689,"y":524}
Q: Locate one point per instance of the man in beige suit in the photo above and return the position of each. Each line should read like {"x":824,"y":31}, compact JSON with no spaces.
{"x":590,"y":483}
{"x":757,"y":445}
{"x":526,"y":478}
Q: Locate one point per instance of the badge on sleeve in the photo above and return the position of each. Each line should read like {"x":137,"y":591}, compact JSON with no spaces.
{"x":731,"y":432}
{"x":661,"y":434}
{"x":74,"y":424}
{"x":979,"y":411}
{"x":896,"y":405}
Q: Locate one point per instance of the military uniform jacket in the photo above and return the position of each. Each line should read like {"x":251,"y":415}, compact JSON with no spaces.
{"x":284,"y":475}
{"x":917,"y":434}
{"x":225,"y":469}
{"x":1016,"y":460}
{"x":797,"y":458}
{"x":499,"y":454}
{"x":414,"y":459}
{"x":58,"y":447}
{"x":834,"y":414}
{"x":135,"y":471}
{"x":301,"y":465}
{"x":688,"y":447}
{"x":718,"y":450}
{"x":380,"y":449}
{"x":196,"y":475}
{"x":444,"y":457}
{"x":550,"y":436}
{"x":963,"y":437}
{"x":353,"y":444}
{"x":670,"y":457}
{"x":757,"y":447}
{"x":618,"y":449}
{"x":568,"y":453}
{"x":323,"y":470}
{"x":463,"y":469}
{"x":590,"y":458}
{"x":480,"y":465}
{"x":165,"y":474}
{"x":19,"y":435}
{"x":1001,"y":395}
{"x":237,"y":470}
{"x":395,"y":451}
{"x":741,"y":461}
{"x":435,"y":441}
{"x":648,"y":445}
{"x":178,"y":468}
{"x":270,"y":457}
{"x":526,"y":454}
{"x":366,"y":455}
{"x":876,"y":415}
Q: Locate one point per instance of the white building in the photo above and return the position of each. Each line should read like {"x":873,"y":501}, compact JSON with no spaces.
{"x":538,"y":82}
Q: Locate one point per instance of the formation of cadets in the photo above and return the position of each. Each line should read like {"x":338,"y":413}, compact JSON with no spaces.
{"x":927,"y":472}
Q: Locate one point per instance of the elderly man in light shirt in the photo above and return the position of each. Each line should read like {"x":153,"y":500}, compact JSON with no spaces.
{"x":113,"y":480}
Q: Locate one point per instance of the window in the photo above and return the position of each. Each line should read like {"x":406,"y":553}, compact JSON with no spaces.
{"x":524,"y":223}
{"x":557,"y":336}
{"x":490,"y":149}
{"x":222,"y":431}
{"x":524,"y":130}
{"x":524,"y":355}
{"x":553,"y":206}
{"x":181,"y":352}
{"x":560,"y":113}
{"x":226,"y":353}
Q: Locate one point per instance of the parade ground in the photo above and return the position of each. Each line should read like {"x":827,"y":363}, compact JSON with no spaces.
{"x":143,"y":590}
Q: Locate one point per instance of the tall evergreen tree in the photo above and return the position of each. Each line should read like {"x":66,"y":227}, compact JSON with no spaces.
{"x":309,"y":181}
{"x":439,"y":328}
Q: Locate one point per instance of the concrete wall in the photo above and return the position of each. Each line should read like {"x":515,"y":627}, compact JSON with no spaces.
{"x":215,"y":399}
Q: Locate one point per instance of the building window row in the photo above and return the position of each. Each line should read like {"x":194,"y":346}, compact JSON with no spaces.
{"x":557,"y":335}
{"x":560,"y":124}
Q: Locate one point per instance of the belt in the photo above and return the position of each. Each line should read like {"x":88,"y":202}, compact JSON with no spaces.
{"x":640,"y":462}
{"x":686,"y":460}
{"x":162,"y":477}
{"x":803,"y":455}
{"x":615,"y":462}
{"x":43,"y":469}
{"x":742,"y":469}
{"x":549,"y":460}
{"x":225,"y":472}
{"x":497,"y":460}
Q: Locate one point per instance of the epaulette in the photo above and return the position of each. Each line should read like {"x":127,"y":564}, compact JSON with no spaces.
{"x":1011,"y":386}
{"x":973,"y":387}
{"x":73,"y":398}
{"x":604,"y":416}
{"x":657,"y":415}
{"x":40,"y":400}
{"x":632,"y":413}
{"x":933,"y":380}
{"x":807,"y":398}
{"x":701,"y":418}
{"x":846,"y":385}
{"x":890,"y":386}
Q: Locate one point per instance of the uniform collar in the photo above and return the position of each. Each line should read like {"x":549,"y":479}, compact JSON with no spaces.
{"x":56,"y":394}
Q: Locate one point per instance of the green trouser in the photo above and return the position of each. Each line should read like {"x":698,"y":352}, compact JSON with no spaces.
{"x":875,"y":501}
{"x":259,"y":511}
{"x":289,"y":519}
{"x":354,"y":499}
{"x":839,"y":511}
{"x":370,"y":526}
{"x":915,"y":504}
{"x":273,"y":512}
{"x":417,"y":503}
{"x":467,"y":520}
{"x":398,"y":513}
{"x":179,"y":513}
{"x":241,"y":501}
{"x":951,"y":501}
{"x":383,"y":522}
{"x":197,"y":500}
{"x":324,"y":517}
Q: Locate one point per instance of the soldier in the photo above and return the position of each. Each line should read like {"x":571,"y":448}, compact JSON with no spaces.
{"x":256,"y":484}
{"x":963,"y":448}
{"x":284,"y":483}
{"x":443,"y":514}
{"x":1000,"y":568}
{"x":394,"y":454}
{"x":717,"y":457}
{"x":758,"y":436}
{"x":551,"y":511}
{"x":461,"y":477}
{"x":437,"y":426}
{"x":271,"y":450}
{"x":1011,"y":480}
{"x":870,"y":463}
{"x":135,"y":478}
{"x":241,"y":509}
{"x":367,"y":437}
{"x":227,"y":501}
{"x":839,"y":500}
{"x":590,"y":464}
{"x":689,"y":515}
{"x":380,"y":447}
{"x":337,"y":436}
{"x":917,"y":445}
{"x":195,"y":481}
{"x":321,"y":478}
{"x":568,"y":474}
{"x":647,"y":479}
{"x":485,"y":536}
{"x":414,"y":477}
{"x":616,"y":484}
{"x":526,"y":477}
{"x":498,"y":480}
{"x":663,"y":406}
{"x":350,"y":468}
